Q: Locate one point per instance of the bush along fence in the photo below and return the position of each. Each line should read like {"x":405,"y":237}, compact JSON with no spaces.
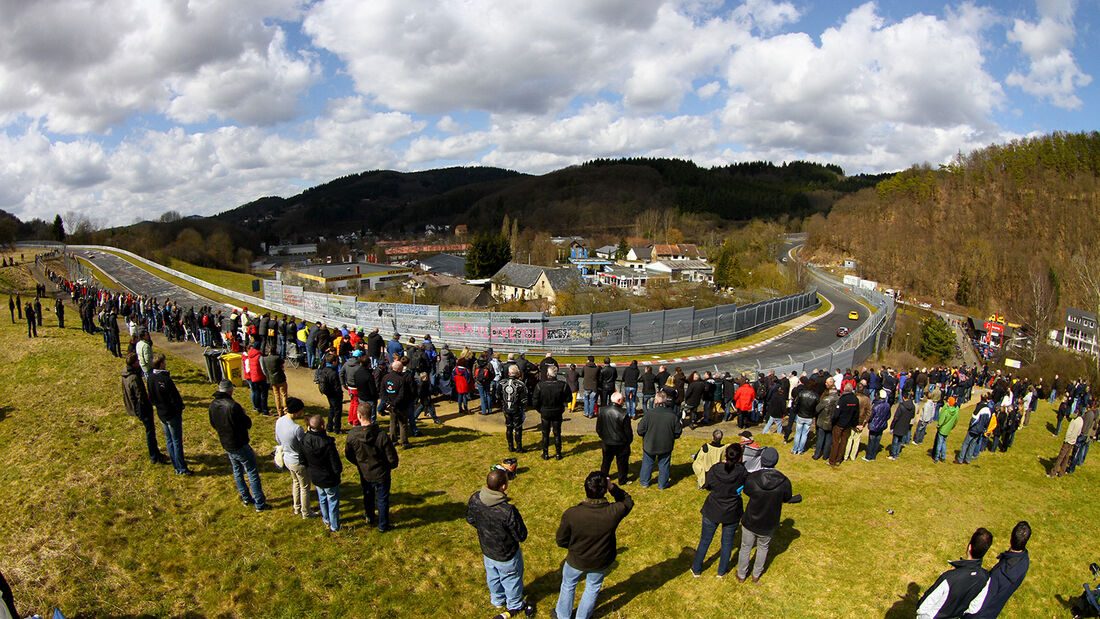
{"x":611,"y":333}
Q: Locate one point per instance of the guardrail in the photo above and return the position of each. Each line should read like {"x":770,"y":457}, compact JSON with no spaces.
{"x":610,"y":333}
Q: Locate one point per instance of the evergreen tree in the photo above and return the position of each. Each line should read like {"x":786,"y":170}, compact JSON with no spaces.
{"x":622,"y":250}
{"x":57,"y":230}
{"x":486,"y":255}
{"x":937,"y":342}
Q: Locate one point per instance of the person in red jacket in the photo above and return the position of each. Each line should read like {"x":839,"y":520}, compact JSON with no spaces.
{"x":742,"y":401}
{"x":257,"y":380}
{"x":463,"y":381}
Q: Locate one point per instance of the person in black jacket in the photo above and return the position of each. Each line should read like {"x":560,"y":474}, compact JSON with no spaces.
{"x":588,"y":531}
{"x":136,"y":399}
{"x":500,"y":530}
{"x":659,"y":431}
{"x":693,"y":397}
{"x":397,"y":392}
{"x":1008,"y":574}
{"x":322,"y":459}
{"x":900,"y":427}
{"x":231,"y":423}
{"x":59,"y":312}
{"x":328,"y":383}
{"x":721,"y":507}
{"x":169,"y":405}
{"x":649,"y":388}
{"x":961,"y":590}
{"x":613,"y":428}
{"x":513,"y":402}
{"x":550,"y":399}
{"x":630,"y":387}
{"x":608,"y":375}
{"x":845,"y":418}
{"x":370,"y":449}
{"x":366,"y":388}
{"x":768,"y":490}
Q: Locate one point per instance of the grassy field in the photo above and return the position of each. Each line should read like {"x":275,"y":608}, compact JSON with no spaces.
{"x":241,"y":282}
{"x":95,"y":529}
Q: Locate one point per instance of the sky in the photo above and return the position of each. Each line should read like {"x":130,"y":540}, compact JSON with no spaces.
{"x":118,"y":111}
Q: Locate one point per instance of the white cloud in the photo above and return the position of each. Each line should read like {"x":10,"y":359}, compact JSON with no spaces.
{"x":83,"y":67}
{"x":1053,"y":73}
{"x":866,"y":81}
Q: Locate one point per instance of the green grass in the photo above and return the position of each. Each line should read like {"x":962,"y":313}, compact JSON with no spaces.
{"x":241,"y":282}
{"x":95,"y":529}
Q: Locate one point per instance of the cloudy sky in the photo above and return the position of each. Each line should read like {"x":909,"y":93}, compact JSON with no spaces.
{"x":120,"y":110}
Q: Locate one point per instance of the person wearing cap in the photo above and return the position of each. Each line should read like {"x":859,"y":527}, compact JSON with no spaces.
{"x":767,"y":490}
{"x":231,"y":423}
{"x":751,"y":452}
{"x":880,"y":419}
{"x":949,"y":417}
{"x":394,"y":349}
{"x":288,"y":436}
{"x":659,"y":431}
{"x":348,"y":378}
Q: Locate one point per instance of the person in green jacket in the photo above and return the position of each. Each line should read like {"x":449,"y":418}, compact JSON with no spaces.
{"x":949,"y":416}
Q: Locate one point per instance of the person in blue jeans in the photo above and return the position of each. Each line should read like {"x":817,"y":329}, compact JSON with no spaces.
{"x":587,"y":530}
{"x":721,"y":507}
{"x":232,"y":424}
{"x":659,"y":431}
{"x":975,"y":434}
{"x":370,"y":449}
{"x":321,"y":457}
{"x":500,"y":530}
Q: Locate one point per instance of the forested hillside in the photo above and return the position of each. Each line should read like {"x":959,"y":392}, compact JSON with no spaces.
{"x":1013,"y":228}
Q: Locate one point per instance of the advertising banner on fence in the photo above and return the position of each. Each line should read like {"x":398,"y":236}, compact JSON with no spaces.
{"x":273,"y":291}
{"x":517,"y":327}
{"x":466,"y":326}
{"x":293,"y":296}
{"x":341,"y":308}
{"x":417,"y":319}
{"x":568,"y":330}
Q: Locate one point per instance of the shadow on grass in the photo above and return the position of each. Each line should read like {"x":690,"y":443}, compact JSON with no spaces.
{"x":1047,"y":464}
{"x":413,"y":517}
{"x":785,"y":535}
{"x":1051,"y":428}
{"x":447,"y":435}
{"x":580,"y":447}
{"x":648,"y":579}
{"x":187,"y":615}
{"x":4,"y":412}
{"x":906,"y":606}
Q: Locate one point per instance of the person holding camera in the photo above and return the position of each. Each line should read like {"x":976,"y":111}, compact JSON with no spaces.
{"x":500,"y":530}
{"x":588,"y":531}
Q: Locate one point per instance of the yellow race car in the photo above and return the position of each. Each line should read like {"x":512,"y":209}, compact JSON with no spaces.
{"x":853,"y":315}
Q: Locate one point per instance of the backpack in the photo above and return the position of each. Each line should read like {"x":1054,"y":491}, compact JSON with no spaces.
{"x":481,"y":374}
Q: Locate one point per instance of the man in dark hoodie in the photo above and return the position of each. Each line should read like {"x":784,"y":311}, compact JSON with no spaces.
{"x":659,"y":431}
{"x":370,"y":449}
{"x":903,"y":421}
{"x":328,"y":383}
{"x":587,"y":530}
{"x":231,"y":423}
{"x":590,"y":382}
{"x":961,"y":590}
{"x":500,"y":530}
{"x":137,"y":402}
{"x":1007,"y":575}
{"x":613,"y":428}
{"x":607,"y":377}
{"x":323,"y":460}
{"x":166,"y":399}
{"x":767,"y":490}
{"x":846,"y":418}
{"x":550,"y":399}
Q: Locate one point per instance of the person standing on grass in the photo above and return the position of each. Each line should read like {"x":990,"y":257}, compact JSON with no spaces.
{"x":767,"y":490}
{"x":708,"y":455}
{"x":587,"y":530}
{"x":659,"y":431}
{"x":927,"y":412}
{"x":323,"y":460}
{"x":962,"y":590}
{"x":949,"y":417}
{"x":1007,"y":575}
{"x":11,"y":308}
{"x":32,"y":326}
{"x":852,"y":448}
{"x":590,"y":377}
{"x":975,"y":431}
{"x":513,"y":400}
{"x":500,"y":531}
{"x":1081,"y":449}
{"x":59,"y":312}
{"x":397,"y":392}
{"x":826,"y":409}
{"x":550,"y":399}
{"x":328,"y":383}
{"x":231,"y":423}
{"x":38,"y":310}
{"x":631,"y":375}
{"x":347,"y":378}
{"x":169,"y":405}
{"x":613,"y":428}
{"x":721,"y":507}
{"x":847,"y":417}
{"x":289,"y":435}
{"x":1073,"y":431}
{"x":136,"y":399}
{"x":372,"y":452}
{"x":607,"y":377}
{"x":902,"y":423}
{"x":272,"y":365}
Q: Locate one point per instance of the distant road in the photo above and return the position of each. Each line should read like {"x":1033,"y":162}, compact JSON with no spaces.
{"x":141,"y":282}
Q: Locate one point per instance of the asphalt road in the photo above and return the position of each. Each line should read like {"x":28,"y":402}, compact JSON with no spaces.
{"x":820,"y":334}
{"x":141,"y":282}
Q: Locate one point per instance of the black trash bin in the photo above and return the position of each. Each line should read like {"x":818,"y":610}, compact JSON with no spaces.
{"x":213,"y":365}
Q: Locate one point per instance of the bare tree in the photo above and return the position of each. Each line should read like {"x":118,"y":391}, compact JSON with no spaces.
{"x":1041,"y":304}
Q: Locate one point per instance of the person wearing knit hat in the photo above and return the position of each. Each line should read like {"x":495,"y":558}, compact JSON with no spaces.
{"x":767,"y":491}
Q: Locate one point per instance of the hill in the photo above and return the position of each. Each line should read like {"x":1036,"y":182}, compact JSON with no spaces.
{"x":1010,"y":228}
